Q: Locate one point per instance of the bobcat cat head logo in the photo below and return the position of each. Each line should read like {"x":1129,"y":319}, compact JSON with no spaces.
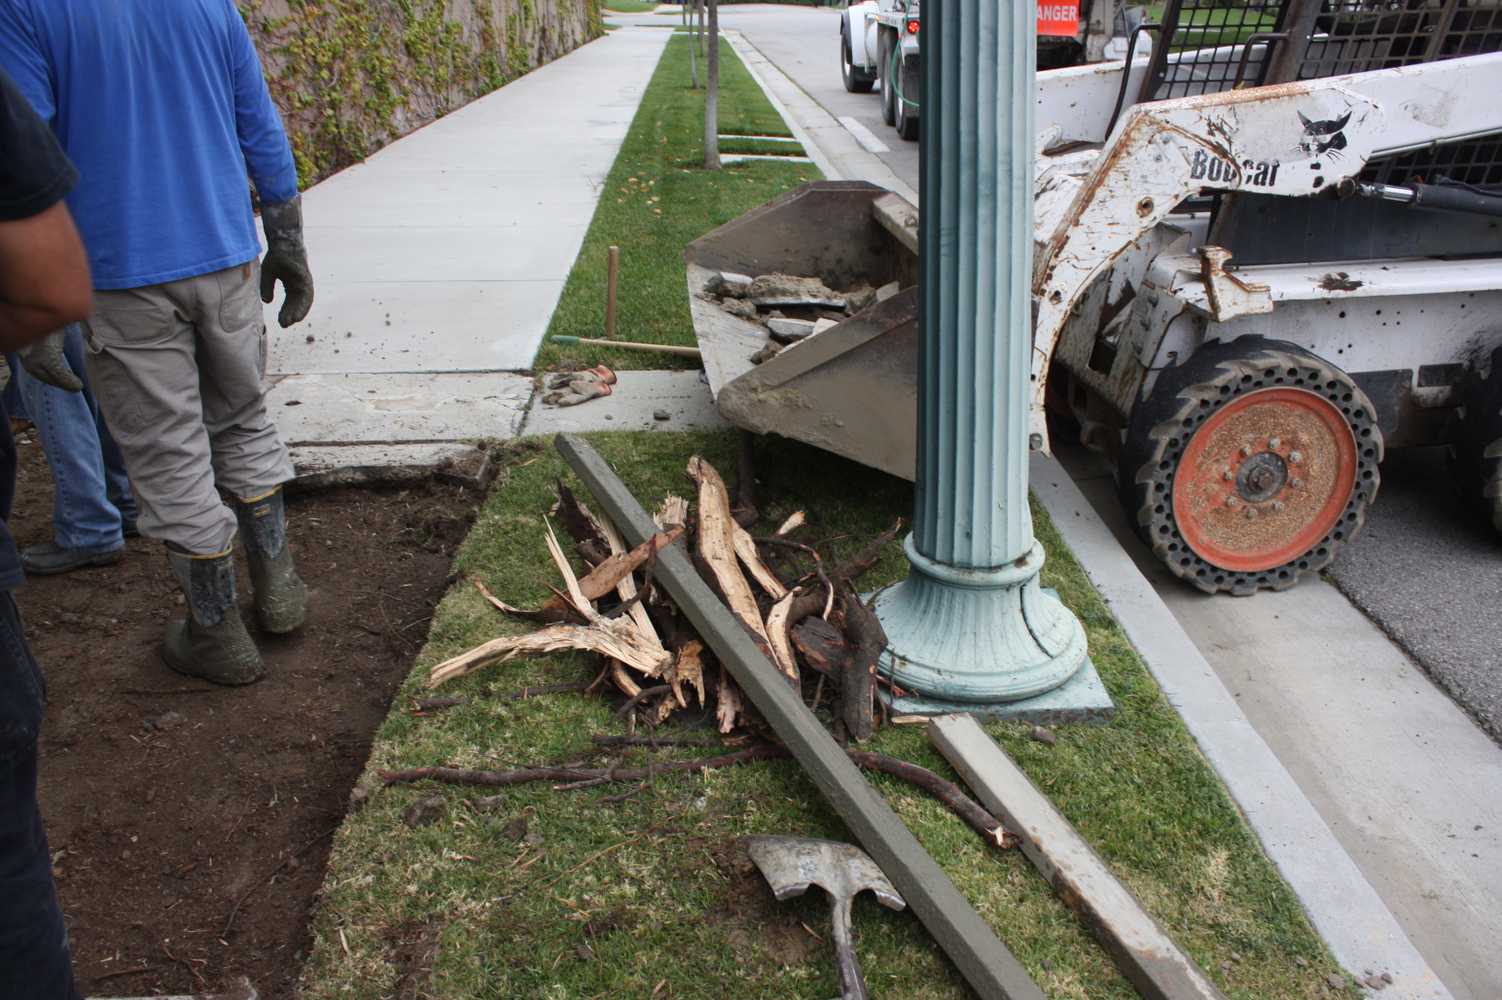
{"x":1323,"y":137}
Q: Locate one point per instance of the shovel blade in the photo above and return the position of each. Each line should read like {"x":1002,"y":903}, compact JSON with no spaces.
{"x":792,"y":864}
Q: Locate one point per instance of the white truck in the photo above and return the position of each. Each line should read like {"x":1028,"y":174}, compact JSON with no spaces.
{"x":879,"y":46}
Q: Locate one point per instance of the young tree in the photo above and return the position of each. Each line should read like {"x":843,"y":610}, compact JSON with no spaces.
{"x":691,"y":12}
{"x":712,"y":93}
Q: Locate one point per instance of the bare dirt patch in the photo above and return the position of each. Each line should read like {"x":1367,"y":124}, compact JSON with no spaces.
{"x":173,"y":806}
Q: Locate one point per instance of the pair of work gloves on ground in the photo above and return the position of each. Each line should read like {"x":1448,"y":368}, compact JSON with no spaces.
{"x":286,"y":261}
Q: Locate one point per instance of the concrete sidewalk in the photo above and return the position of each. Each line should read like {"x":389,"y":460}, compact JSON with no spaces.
{"x":440,"y":259}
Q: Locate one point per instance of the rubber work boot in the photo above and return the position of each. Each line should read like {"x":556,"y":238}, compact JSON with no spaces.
{"x":281,"y":596}
{"x":212,"y":642}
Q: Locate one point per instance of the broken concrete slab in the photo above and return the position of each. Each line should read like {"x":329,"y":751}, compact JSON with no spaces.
{"x":888,"y":290}
{"x":820,"y":325}
{"x":789,"y":330}
{"x":739,"y":307}
{"x":633,"y":405}
{"x":328,"y":409}
{"x":770,"y":290}
{"x":324,"y":466}
{"x":729,"y":284}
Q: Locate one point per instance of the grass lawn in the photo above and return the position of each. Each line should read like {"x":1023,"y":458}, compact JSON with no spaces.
{"x":657,"y":200}
{"x":630,"y":6}
{"x":561,"y":895}
{"x":1199,"y":29}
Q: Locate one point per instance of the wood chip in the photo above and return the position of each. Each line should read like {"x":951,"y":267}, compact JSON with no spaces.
{"x":795,"y":520}
{"x":688,"y":670}
{"x":673,"y":510}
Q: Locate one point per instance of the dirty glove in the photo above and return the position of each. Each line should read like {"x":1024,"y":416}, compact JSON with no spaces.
{"x":44,"y":361}
{"x":286,"y":260}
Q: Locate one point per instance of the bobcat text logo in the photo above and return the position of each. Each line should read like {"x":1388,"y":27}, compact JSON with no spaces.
{"x":1204,"y":167}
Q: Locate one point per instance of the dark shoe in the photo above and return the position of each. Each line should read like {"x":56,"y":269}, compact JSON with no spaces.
{"x":47,"y":558}
{"x":281,"y":596}
{"x":212,"y":643}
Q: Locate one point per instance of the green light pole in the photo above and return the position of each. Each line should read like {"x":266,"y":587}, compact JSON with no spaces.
{"x":971,"y":627}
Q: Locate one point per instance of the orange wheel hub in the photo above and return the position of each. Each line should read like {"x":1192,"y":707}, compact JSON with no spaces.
{"x":1264,"y":479}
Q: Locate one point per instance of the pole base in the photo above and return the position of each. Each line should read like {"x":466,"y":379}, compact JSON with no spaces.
{"x":977,"y":637}
{"x":1082,"y":698}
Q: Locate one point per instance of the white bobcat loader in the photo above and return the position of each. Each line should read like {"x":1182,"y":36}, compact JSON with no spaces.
{"x":1262,"y":255}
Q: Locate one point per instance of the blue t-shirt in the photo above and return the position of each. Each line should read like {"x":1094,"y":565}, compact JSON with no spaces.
{"x":162,"y":107}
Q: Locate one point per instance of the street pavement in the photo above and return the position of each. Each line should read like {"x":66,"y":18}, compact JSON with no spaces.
{"x":1411,"y":788}
{"x":1427,"y":568}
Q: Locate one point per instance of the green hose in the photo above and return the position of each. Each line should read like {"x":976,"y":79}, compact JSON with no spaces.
{"x":896,"y":76}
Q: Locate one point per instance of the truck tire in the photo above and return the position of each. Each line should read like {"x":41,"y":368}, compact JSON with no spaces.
{"x":1249,"y":465}
{"x":884,"y":67}
{"x":1479,"y":453}
{"x":857,"y":80}
{"x":907,"y":115}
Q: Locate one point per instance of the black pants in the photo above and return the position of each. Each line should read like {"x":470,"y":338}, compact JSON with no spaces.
{"x":34,"y":960}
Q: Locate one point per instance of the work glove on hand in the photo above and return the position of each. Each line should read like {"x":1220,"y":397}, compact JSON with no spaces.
{"x":45,"y":362}
{"x":286,"y":260}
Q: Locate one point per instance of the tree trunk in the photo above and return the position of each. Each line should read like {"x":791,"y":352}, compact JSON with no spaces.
{"x":712,"y":93}
{"x":693,"y":44}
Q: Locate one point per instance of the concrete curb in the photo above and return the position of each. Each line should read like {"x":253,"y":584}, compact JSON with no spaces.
{"x":1341,"y":904}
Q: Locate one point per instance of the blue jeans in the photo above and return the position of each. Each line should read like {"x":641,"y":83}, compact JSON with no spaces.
{"x":35,"y":960}
{"x":91,"y":491}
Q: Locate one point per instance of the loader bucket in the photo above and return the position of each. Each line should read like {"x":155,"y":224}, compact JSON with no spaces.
{"x":852,"y":388}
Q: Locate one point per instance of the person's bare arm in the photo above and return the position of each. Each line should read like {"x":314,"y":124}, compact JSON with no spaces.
{"x":44,"y":277}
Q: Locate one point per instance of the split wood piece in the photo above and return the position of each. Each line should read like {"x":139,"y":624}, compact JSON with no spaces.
{"x":615,"y":638}
{"x":795,"y":520}
{"x":781,"y":641}
{"x":745,"y":550}
{"x":688,"y":671}
{"x":716,"y":547}
{"x":625,"y":583}
{"x":1141,"y":949}
{"x":728,"y":705}
{"x":672,"y":511}
{"x":613,"y":573}
{"x":858,"y":687}
{"x":981,"y":958}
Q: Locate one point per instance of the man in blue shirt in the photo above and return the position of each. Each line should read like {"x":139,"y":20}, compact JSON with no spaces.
{"x":162,"y":106}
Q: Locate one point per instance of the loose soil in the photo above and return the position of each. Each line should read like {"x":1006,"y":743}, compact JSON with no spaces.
{"x":173,"y":806}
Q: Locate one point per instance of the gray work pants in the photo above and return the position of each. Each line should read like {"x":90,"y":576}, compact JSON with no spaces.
{"x":178,"y":370}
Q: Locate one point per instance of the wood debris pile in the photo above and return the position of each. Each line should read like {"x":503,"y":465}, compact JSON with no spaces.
{"x":805,"y":616}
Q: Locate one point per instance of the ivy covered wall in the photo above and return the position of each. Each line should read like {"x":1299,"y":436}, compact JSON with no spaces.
{"x":352,"y":75}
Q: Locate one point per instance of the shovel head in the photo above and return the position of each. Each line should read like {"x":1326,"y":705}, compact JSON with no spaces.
{"x":792,"y":864}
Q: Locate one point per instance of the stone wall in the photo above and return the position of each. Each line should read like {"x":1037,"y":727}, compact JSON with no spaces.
{"x":352,"y":75}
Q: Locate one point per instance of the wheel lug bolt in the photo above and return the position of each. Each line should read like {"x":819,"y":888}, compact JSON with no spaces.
{"x":1251,"y":513}
{"x":1228,"y":475}
{"x":1296,"y":483}
{"x":1274,"y":443}
{"x":1232,"y":502}
{"x":1295,"y":456}
{"x":1246,"y":451}
{"x":1278,"y":505}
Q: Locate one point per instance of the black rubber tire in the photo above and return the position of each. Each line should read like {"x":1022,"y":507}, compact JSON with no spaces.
{"x":888,"y":93}
{"x":1162,"y":425}
{"x":907,"y":118}
{"x":855,"y":81}
{"x":1479,"y":453}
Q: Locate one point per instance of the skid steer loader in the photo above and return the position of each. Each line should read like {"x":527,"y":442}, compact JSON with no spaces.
{"x":1263,"y":254}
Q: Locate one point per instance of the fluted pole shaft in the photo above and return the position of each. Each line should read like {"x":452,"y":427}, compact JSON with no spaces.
{"x":971,"y":625}
{"x":976,"y":242}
